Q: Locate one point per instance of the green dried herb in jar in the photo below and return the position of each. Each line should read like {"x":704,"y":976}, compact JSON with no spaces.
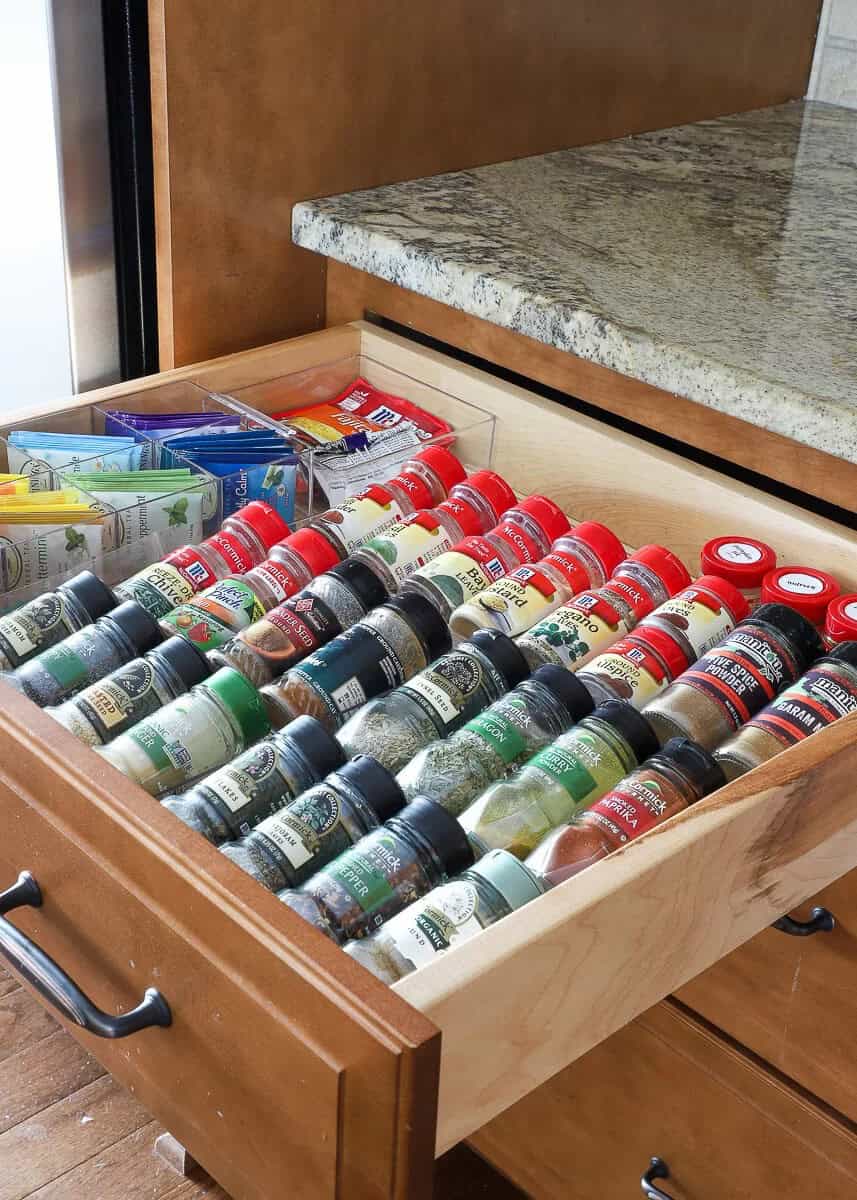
{"x":568,"y":775}
{"x":435,"y":702}
{"x":449,"y":915}
{"x":383,"y":873}
{"x":455,"y":770}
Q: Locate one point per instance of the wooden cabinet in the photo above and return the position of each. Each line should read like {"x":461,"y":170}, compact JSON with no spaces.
{"x":289,"y":1068}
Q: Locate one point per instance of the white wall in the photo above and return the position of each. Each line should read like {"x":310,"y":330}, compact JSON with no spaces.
{"x":834,"y":68}
{"x":35,"y":360}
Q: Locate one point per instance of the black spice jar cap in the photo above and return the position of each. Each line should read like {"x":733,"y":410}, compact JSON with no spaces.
{"x":442,"y":831}
{"x":503,"y":653}
{"x":426,"y":622}
{"x":137,"y":625}
{"x":632,"y":725}
{"x":382,"y":793}
{"x":567,"y":688}
{"x":845,"y":652}
{"x":186,"y":659}
{"x":318,"y":746}
{"x":801,"y":633}
{"x":703,"y":771}
{"x":90,"y":592}
{"x":364,"y":583}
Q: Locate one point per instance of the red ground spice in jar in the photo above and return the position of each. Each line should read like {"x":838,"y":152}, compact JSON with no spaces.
{"x":840,"y":622}
{"x":806,"y":590}
{"x":741,"y":560}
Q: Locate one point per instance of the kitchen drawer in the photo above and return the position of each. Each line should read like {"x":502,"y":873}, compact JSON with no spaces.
{"x":793,"y":1000}
{"x":665,"y":1086}
{"x":287,"y":1066}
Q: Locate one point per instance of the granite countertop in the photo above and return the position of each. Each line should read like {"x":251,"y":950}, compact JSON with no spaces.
{"x":716,"y":260}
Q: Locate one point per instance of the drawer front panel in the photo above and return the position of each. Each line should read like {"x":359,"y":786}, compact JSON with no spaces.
{"x":793,"y":1000}
{"x":666,"y":1086}
{"x":264,"y":1074}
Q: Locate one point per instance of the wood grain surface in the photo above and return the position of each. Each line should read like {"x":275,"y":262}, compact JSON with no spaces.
{"x":258,"y":105}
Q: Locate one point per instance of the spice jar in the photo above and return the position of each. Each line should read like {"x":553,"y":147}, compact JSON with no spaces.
{"x":290,"y":845}
{"x":242,"y":541}
{"x":51,"y":617}
{"x":473,"y":507}
{"x":571,"y":773}
{"x":525,"y":535}
{"x":742,"y":561}
{"x":126,"y":632}
{"x":447,"y":916}
{"x":108,"y":707}
{"x":382,"y":651}
{"x":423,"y":480}
{"x":192,"y":735}
{"x":804,"y":589}
{"x":700,"y":615}
{"x":583,"y":559}
{"x":636,"y":668}
{"x":826,"y":692}
{"x":319,"y":612}
{"x":730,"y":683}
{"x":232,"y":800}
{"x":454,"y":771}
{"x":435,"y":702}
{"x":840,"y":622}
{"x":677,"y":776}
{"x":585,"y":626}
{"x":384,"y":872}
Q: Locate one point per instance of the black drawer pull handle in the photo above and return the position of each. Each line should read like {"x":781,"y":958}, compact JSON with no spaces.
{"x":820,"y":921}
{"x":58,"y":988}
{"x":658,"y":1169}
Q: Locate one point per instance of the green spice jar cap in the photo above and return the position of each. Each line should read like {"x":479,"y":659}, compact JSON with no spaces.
{"x":364,"y":583}
{"x":845,"y":652}
{"x":442,"y":831}
{"x":515,"y":882}
{"x":632,"y":725}
{"x":186,"y":659}
{"x":93,"y":595}
{"x":242,"y":700}
{"x":503,"y":653}
{"x":803,"y":635}
{"x":140,"y":628}
{"x":373,"y":781}
{"x":320,"y":748}
{"x":567,"y":688}
{"x":703,"y":771}
{"x":426,"y":622}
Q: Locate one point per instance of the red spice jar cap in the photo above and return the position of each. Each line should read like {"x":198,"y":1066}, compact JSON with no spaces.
{"x":665,"y":646}
{"x":265,"y":522}
{"x":468,"y":517}
{"x":315,"y":550}
{"x":668,"y":567}
{"x":804,"y":589}
{"x":742,"y":560}
{"x":602,"y":542}
{"x":444,"y":464}
{"x":493,"y":488}
{"x":727,"y":593}
{"x":840,"y":623}
{"x":547,"y":515}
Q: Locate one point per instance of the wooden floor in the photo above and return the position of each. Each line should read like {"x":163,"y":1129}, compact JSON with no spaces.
{"x":69,"y":1132}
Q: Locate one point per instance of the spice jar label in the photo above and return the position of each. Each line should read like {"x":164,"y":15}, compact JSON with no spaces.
{"x":504,"y":732}
{"x":818,"y":699}
{"x":288,"y":634}
{"x":698,"y":617}
{"x":229,"y":549}
{"x":568,"y":769}
{"x":362,"y":517}
{"x":184,"y":746}
{"x":23,"y":631}
{"x":360,"y":663}
{"x":578,"y":631}
{"x":460,"y":577}
{"x":365,"y":873}
{"x":64,"y":665}
{"x":631,"y":671}
{"x":116,"y":703}
{"x":739,"y":552}
{"x":515,"y":603}
{"x":411,"y":544}
{"x":453,"y":685}
{"x":800,"y":583}
{"x":159,"y":589}
{"x":428,"y":927}
{"x":630,"y":809}
{"x":279,"y":579}
{"x":741,"y":674}
{"x":211,"y":619}
{"x":249,"y":789}
{"x":295,"y":834}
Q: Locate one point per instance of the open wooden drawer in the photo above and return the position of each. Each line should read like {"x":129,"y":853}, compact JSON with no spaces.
{"x":288,"y":1070}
